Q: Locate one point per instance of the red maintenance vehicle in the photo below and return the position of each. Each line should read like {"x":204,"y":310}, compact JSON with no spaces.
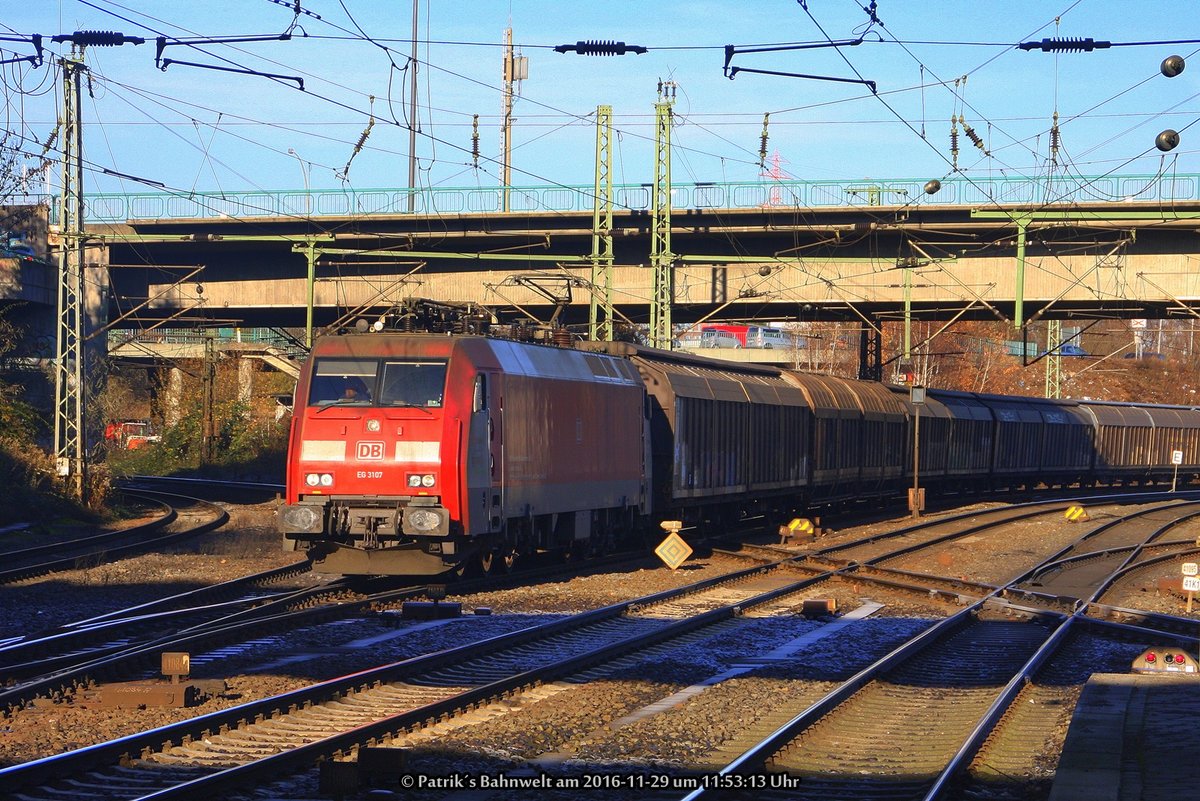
{"x":130,"y":434}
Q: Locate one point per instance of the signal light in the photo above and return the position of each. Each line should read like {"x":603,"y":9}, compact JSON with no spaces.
{"x":1179,"y":659}
{"x":1151,"y":656}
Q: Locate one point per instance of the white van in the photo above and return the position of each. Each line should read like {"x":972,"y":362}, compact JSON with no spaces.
{"x":761,"y":337}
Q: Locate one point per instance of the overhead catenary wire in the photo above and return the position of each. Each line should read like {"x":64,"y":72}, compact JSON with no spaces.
{"x":348,"y":107}
{"x":715,"y":155}
{"x":742,"y":147}
{"x":433,"y":139}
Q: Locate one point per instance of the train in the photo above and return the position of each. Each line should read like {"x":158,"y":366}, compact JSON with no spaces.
{"x":424,"y":454}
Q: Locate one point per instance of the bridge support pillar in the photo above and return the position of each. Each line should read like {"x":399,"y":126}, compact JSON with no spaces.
{"x":173,"y":402}
{"x":245,"y":382}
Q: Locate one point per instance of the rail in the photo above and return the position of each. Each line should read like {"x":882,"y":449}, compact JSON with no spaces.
{"x":725,"y":195}
{"x":102,"y":755}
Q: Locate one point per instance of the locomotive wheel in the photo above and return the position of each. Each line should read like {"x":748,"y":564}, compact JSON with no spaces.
{"x":506,"y":560}
{"x":497,"y":562}
{"x":477,"y":565}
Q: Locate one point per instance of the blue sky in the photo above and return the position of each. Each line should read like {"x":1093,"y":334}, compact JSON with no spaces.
{"x":197,"y":129}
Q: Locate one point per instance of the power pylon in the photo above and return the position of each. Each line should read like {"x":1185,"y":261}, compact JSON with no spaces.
{"x":661,"y":257}
{"x":1054,"y":359}
{"x":602,"y":223}
{"x":69,"y":394}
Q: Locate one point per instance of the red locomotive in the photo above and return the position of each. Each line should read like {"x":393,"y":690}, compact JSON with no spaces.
{"x":422,"y":453}
{"x":419,"y":453}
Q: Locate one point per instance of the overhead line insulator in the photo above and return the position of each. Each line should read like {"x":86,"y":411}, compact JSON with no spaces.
{"x":98,"y":38}
{"x":1075,"y":45}
{"x":762,"y":144}
{"x":974,"y":137}
{"x":1055,"y":140}
{"x":593,"y":47}
{"x":475,"y":140}
{"x":954,"y":142}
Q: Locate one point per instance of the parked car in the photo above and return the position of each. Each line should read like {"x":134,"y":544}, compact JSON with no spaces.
{"x":1069,"y":350}
{"x":15,"y":245}
{"x":1145,"y":355}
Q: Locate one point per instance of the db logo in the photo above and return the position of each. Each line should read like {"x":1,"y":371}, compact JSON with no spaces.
{"x":370,"y":451}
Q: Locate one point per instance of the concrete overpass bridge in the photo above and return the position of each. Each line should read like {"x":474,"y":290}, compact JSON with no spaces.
{"x":865,"y":252}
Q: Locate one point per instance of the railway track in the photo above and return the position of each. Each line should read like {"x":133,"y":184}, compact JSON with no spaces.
{"x":930,"y":530}
{"x":1110,"y":549}
{"x":966,"y":710}
{"x":1116,"y":549}
{"x":74,"y":646}
{"x":908,"y":721}
{"x":444,"y":690}
{"x":179,"y":517}
{"x":969,"y":704}
{"x":126,"y":644}
{"x":222,"y":750}
{"x":974,"y":678}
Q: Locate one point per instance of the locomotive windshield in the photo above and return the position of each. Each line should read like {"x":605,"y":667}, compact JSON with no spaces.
{"x":348,"y":381}
{"x":413,"y":383}
{"x":377,"y":382}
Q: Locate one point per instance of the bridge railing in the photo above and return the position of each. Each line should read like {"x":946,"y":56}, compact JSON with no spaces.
{"x":283,"y":340}
{"x":715,"y":195}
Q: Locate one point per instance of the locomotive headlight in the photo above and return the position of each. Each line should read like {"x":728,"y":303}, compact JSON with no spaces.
{"x":301,"y":518}
{"x":414,"y":480}
{"x":312,"y":479}
{"x":372,"y":425}
{"x":327,"y":479}
{"x":423,"y":519}
{"x":427,"y":480}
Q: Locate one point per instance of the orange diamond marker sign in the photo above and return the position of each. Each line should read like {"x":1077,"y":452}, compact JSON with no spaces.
{"x":673,"y":551}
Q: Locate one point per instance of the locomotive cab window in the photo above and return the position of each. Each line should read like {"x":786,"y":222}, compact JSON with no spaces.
{"x":342,"y":381}
{"x":413,"y":383}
